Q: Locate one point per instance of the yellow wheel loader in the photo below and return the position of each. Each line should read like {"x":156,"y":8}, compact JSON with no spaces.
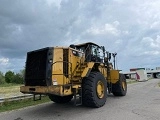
{"x":80,"y":72}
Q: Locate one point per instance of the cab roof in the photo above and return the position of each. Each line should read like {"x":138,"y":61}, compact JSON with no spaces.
{"x":86,"y":44}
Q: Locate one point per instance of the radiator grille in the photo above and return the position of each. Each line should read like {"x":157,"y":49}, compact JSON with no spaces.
{"x":65,"y":62}
{"x":36,"y":68}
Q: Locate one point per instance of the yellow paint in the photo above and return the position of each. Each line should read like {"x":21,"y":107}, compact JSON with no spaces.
{"x":89,"y":66}
{"x":76,"y":86}
{"x":57,"y":67}
{"x":100,"y":89}
{"x":103,"y":70}
{"x":56,"y":90}
{"x":124,"y":85}
{"x":40,"y":89}
{"x":75,"y":60}
{"x":114,"y":76}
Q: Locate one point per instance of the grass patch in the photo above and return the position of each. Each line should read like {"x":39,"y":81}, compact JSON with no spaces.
{"x":9,"y":85}
{"x":11,"y":89}
{"x":159,"y":84}
{"x":8,"y":90}
{"x":5,"y":90}
{"x":7,"y":105}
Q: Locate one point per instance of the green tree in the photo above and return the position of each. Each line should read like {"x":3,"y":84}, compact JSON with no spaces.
{"x":22,"y":72}
{"x":9,"y":76}
{"x":18,"y":79}
{"x":2,"y":78}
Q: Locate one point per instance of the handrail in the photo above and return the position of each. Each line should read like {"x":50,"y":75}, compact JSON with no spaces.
{"x":63,"y":62}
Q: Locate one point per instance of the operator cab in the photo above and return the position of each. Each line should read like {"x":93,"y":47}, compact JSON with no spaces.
{"x":93,"y":52}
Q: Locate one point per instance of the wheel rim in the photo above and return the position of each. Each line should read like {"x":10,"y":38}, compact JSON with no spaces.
{"x":100,"y":89}
{"x":123,"y":85}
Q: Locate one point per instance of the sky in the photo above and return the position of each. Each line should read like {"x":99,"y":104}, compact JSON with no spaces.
{"x":130,"y":28}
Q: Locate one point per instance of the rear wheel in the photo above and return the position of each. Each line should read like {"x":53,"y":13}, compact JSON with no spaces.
{"x":94,"y":90}
{"x":60,"y":99}
{"x":120,"y":88}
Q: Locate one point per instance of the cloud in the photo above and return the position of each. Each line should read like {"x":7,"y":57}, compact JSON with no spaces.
{"x":4,"y":61}
{"x":105,"y":29}
{"x":152,"y":45}
{"x":130,"y":28}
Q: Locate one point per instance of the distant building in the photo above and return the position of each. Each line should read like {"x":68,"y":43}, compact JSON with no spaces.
{"x":148,"y":69}
{"x":140,"y":74}
{"x":135,"y":69}
{"x":154,"y":73}
{"x":157,"y":68}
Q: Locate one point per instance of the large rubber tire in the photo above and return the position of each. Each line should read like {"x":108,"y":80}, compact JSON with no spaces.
{"x":90,"y":96}
{"x":60,"y":99}
{"x":120,"y":88}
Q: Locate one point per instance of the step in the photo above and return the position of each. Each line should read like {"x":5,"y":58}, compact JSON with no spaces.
{"x":79,"y":71}
{"x":77,"y":97}
{"x":78,"y":74}
{"x":76,"y":78}
{"x":81,"y":67}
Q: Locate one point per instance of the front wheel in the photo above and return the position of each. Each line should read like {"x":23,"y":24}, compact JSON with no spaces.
{"x":120,"y":88}
{"x":94,"y":90}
